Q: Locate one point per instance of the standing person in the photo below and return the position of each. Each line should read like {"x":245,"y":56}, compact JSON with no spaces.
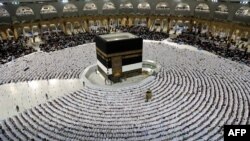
{"x":245,"y":52}
{"x":227,"y":49}
{"x":148,"y":95}
{"x":17,"y":108}
{"x":46,"y":95}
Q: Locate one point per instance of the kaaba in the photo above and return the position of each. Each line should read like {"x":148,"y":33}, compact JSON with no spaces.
{"x":119,"y":55}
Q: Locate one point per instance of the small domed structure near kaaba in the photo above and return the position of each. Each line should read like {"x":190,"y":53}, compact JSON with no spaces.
{"x":130,"y":70}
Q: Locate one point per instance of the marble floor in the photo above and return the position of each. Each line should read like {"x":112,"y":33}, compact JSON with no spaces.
{"x":32,"y":93}
{"x":99,"y":80}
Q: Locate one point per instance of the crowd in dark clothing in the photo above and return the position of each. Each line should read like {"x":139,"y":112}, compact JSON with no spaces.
{"x":11,"y":49}
{"x":56,"y":41}
{"x":52,"y":41}
{"x":145,"y":33}
{"x":217,"y":45}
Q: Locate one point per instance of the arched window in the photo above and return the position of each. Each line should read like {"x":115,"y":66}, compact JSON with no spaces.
{"x":182,"y":7}
{"x":202,"y":7}
{"x":48,"y":9}
{"x":108,"y":6}
{"x":243,"y":11}
{"x":144,"y":5}
{"x":24,"y":10}
{"x":162,"y":6}
{"x":70,"y":8}
{"x":4,"y":12}
{"x":222,"y":9}
{"x":89,"y":6}
{"x":126,"y":5}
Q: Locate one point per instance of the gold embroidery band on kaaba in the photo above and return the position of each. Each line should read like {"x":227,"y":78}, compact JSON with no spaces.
{"x":131,"y":56}
{"x":118,"y":54}
{"x":100,"y":55}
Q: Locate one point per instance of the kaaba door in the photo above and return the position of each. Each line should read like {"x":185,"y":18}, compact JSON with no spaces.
{"x":117,"y":66}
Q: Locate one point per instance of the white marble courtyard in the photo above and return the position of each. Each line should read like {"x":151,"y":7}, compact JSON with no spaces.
{"x":32,"y":93}
{"x":194,"y":95}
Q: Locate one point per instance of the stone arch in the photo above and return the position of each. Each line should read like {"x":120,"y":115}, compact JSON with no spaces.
{"x":243,"y":11}
{"x":162,"y":6}
{"x":222,"y":9}
{"x":182,"y":7}
{"x":108,"y":6}
{"x":48,"y":9}
{"x":144,"y":5}
{"x":24,"y":10}
{"x":202,"y":7}
{"x":4,"y":12}
{"x":126,"y":5}
{"x":90,"y":6}
{"x":69,"y":7}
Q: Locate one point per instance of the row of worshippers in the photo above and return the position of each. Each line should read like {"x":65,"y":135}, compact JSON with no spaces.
{"x":224,"y":47}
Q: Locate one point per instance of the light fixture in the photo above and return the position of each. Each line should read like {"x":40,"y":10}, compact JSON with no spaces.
{"x":65,"y":1}
{"x":15,"y":2}
{"x":244,"y":1}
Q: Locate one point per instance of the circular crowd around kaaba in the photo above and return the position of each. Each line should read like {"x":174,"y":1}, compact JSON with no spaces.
{"x":196,"y":78}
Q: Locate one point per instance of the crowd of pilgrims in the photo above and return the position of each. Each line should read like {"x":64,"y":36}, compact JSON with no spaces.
{"x":52,"y":41}
{"x":56,"y":41}
{"x":220,"y":46}
{"x":144,"y":32}
{"x":191,"y":89}
{"x":11,"y":49}
{"x":60,"y":40}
